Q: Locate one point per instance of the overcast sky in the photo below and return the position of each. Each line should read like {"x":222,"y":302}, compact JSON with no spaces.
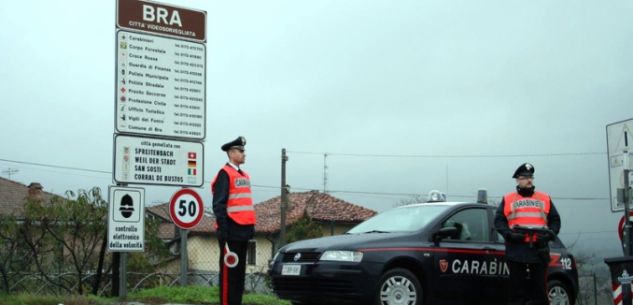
{"x":463,"y":86}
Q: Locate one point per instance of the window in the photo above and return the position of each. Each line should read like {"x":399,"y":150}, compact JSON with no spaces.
{"x":471,"y":224}
{"x":251,"y":253}
{"x":402,"y":219}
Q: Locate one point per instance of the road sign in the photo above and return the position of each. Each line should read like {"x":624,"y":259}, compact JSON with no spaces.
{"x":161,"y":86}
{"x":162,"y":19}
{"x":620,"y":153}
{"x":158,"y":161}
{"x":621,"y":224}
{"x":126,"y":219}
{"x":186,"y":208}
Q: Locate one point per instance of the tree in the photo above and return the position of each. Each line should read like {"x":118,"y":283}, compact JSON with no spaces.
{"x":13,"y":255}
{"x":304,"y":228}
{"x":63,"y":240}
{"x":417,"y":198}
{"x":64,"y":236}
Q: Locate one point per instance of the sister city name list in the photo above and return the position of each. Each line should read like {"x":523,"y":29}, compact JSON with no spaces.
{"x":156,"y":161}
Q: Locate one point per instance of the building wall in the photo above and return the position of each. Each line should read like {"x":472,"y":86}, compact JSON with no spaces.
{"x":204,"y":254}
{"x":339,"y":229}
{"x":264,"y":250}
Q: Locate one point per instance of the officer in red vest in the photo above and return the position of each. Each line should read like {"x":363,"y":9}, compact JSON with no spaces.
{"x":235,"y":220}
{"x":527,"y":251}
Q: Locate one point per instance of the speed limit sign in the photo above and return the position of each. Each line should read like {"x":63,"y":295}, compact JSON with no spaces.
{"x":186,"y":208}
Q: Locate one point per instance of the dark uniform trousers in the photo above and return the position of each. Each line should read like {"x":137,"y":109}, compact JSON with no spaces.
{"x":232,"y":279}
{"x":528,"y":288}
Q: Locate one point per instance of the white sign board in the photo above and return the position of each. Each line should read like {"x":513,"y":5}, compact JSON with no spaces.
{"x":157,"y":161}
{"x":126,"y":219}
{"x":161,"y":86}
{"x":620,"y":153}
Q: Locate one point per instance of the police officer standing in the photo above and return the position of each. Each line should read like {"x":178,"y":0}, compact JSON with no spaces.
{"x":235,"y":219}
{"x":527,"y":250}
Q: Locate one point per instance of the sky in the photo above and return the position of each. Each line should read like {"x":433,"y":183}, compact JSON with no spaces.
{"x":403,"y":96}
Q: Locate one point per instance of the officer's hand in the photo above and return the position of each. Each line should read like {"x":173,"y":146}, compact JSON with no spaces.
{"x":544,"y":238}
{"x":514,"y":236}
{"x":222,"y":234}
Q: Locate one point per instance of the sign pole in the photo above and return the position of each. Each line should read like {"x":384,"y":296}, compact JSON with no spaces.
{"x":186,"y":209}
{"x":123,"y":276}
{"x":116,"y":268}
{"x":160,"y":121}
{"x":626,"y":199}
{"x":184,"y":258}
{"x":123,"y":270}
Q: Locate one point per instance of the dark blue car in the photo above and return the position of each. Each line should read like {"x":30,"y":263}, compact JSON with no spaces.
{"x":430,"y":253}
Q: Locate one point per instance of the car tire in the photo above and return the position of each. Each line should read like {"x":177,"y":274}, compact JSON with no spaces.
{"x":559,"y":293}
{"x":399,"y":286}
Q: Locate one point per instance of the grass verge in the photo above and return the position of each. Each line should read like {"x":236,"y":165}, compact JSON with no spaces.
{"x":198,"y":295}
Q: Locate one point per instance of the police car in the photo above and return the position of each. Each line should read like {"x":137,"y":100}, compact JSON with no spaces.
{"x":430,"y":253}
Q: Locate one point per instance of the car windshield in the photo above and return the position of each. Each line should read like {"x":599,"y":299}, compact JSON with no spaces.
{"x":403,"y":219}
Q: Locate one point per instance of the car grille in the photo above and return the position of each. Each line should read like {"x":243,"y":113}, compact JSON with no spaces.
{"x":306,"y":257}
{"x":312,"y":285}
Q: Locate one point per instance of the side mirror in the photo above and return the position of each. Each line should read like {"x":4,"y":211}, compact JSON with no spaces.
{"x":444,"y":233}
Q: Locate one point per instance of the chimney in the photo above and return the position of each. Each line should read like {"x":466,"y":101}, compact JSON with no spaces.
{"x":35,"y":192}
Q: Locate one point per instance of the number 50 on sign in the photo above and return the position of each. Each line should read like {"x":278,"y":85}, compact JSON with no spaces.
{"x":186,"y":208}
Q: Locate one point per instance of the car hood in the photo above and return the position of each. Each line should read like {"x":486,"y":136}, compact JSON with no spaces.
{"x":344,"y":242}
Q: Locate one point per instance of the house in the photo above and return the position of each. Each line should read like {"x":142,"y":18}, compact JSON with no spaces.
{"x":334,"y":215}
{"x":13,"y":196}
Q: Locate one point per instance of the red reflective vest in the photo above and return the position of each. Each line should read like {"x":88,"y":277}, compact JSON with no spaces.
{"x":527,"y":211}
{"x":240,"y":203}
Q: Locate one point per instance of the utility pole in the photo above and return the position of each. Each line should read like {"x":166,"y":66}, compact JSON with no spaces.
{"x":325,"y":173}
{"x":10,"y":172}
{"x":284,"y":199}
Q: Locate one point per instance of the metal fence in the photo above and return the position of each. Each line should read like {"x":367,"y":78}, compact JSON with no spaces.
{"x":594,"y":290}
{"x":36,"y":283}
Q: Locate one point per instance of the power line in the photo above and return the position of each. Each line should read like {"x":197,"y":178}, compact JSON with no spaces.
{"x":58,"y":166}
{"x":415,"y":194}
{"x":10,"y":172}
{"x":429,"y":156}
{"x":299,"y":188}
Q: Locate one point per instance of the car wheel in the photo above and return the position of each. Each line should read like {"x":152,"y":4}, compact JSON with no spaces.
{"x":399,"y":287}
{"x":558,"y":293}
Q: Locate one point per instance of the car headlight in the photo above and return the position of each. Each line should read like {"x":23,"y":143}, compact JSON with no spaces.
{"x":342,"y":256}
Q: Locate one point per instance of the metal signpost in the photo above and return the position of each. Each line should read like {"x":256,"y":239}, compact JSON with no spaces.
{"x":185,"y":210}
{"x":620,"y":153}
{"x":160,"y":107}
{"x":619,"y":149}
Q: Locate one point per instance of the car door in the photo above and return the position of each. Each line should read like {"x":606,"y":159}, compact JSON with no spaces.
{"x":466,"y":262}
{"x":497,"y":291}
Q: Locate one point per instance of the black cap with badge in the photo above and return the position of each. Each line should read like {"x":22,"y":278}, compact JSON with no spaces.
{"x":525,"y":170}
{"x":237,"y":143}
